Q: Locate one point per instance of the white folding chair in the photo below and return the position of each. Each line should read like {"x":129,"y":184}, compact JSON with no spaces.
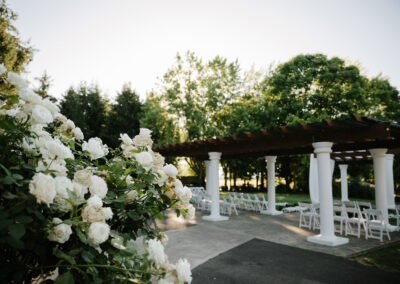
{"x":353,"y":220}
{"x":339,"y":215}
{"x":395,"y":214}
{"x":307,"y":215}
{"x":376,"y":226}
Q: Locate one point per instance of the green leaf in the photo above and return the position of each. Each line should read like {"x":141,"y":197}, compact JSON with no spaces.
{"x":64,"y":256}
{"x":24,"y":219}
{"x":87,"y":256}
{"x":65,"y":278}
{"x":9,"y":195}
{"x":81,"y":235}
{"x":16,"y":231}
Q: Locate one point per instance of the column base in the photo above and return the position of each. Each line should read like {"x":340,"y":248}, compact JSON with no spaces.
{"x":332,"y":241}
{"x":271,"y":212}
{"x":345,"y":200}
{"x":215,"y":218}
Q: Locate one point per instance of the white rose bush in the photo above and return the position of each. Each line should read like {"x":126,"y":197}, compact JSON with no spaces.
{"x":74,"y":209}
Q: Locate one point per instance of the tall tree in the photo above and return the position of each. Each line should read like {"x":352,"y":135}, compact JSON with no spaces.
{"x":15,"y":54}
{"x":44,"y":86}
{"x":124,"y":116}
{"x":85,"y":106}
{"x":164,"y":127}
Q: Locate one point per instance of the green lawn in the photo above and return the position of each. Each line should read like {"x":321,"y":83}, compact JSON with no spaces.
{"x":387,"y":258}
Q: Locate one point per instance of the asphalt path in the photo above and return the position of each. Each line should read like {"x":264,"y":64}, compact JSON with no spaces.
{"x":259,"y":261}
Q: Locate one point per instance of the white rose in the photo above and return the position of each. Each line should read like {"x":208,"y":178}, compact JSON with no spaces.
{"x":17,"y":81}
{"x":12,"y":112}
{"x":144,"y":159}
{"x":52,"y":107}
{"x":67,"y":125}
{"x":183,"y":271}
{"x":143,"y":139}
{"x":129,"y":180}
{"x":3,"y":69}
{"x":55,"y":148}
{"x":43,"y":187}
{"x":61,"y":118}
{"x":125,"y":139}
{"x":98,"y":233}
{"x":94,"y":201}
{"x":98,"y":187}
{"x":163,"y":238}
{"x":127,"y":150}
{"x":156,"y":253}
{"x":83,"y":177}
{"x":78,"y":134}
{"x":41,"y":115}
{"x":158,"y":161}
{"x":95,"y":148}
{"x":57,"y":167}
{"x":30,"y":96}
{"x":80,"y":190}
{"x":60,"y":233}
{"x":93,"y":214}
{"x":107,"y":213}
{"x":131,"y":196}
{"x":186,"y":195}
{"x":191,"y":212}
{"x":170,"y":170}
{"x":161,"y":177}
{"x":63,"y":185}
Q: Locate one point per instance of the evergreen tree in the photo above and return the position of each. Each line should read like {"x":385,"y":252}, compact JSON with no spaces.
{"x":123,"y":117}
{"x":86,"y":107}
{"x":44,"y":86}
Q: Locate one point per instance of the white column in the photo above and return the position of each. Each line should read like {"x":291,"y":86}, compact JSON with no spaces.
{"x":390,"y":181}
{"x":214,"y":186}
{"x":327,"y":235}
{"x":271,"y":187}
{"x":208,"y":177}
{"x":343,"y":182}
{"x":379,"y":159}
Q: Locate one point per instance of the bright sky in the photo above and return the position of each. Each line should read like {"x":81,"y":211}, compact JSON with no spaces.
{"x":113,"y":42}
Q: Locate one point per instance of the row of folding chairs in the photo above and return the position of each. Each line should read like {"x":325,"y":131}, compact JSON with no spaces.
{"x":349,"y":217}
{"x":251,"y":201}
{"x":203,"y":202}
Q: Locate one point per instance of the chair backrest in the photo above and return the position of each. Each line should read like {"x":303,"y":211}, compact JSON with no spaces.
{"x":364,"y":205}
{"x":373,"y":215}
{"x":338,"y":210}
{"x":337,"y":202}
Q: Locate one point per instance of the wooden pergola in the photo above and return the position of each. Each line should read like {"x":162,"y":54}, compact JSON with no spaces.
{"x":349,"y":140}
{"x":354,"y":134}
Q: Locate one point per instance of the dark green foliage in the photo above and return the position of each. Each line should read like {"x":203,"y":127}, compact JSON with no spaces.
{"x":86,"y":108}
{"x":44,"y":86}
{"x":123,"y":117}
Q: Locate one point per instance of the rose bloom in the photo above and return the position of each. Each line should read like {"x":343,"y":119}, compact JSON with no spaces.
{"x":17,"y":81}
{"x":156,"y":252}
{"x":95,"y":148}
{"x":79,"y":189}
{"x":144,"y":159}
{"x":143,"y":139}
{"x":183,"y":271}
{"x":125,"y":139}
{"x":78,"y":134}
{"x":60,"y":233}
{"x":191,"y":212}
{"x":98,"y":187}
{"x":41,"y":115}
{"x":57,"y":166}
{"x":43,"y":187}
{"x":83,"y":177}
{"x":55,"y":148}
{"x":98,"y":233}
{"x":170,"y":170}
{"x":158,"y":161}
{"x":63,"y":185}
{"x":131,"y":196}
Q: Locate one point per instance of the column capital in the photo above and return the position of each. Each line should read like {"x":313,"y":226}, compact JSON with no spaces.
{"x":270,"y":159}
{"x":389,"y":156}
{"x":215,"y":155}
{"x":322,"y":147}
{"x":343,"y":167}
{"x":378,"y":152}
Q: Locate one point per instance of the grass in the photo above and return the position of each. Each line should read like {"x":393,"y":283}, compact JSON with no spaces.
{"x":387,"y":258}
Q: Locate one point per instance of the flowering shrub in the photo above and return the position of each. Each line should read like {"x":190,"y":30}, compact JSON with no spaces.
{"x":74,"y":209}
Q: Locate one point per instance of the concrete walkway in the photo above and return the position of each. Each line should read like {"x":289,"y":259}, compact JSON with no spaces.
{"x":200,"y":240}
